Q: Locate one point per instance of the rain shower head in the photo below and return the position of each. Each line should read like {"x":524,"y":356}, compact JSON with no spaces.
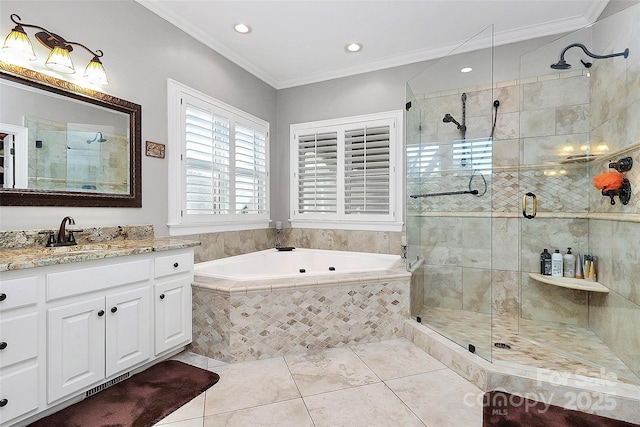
{"x":562,"y":64}
{"x":98,"y":138}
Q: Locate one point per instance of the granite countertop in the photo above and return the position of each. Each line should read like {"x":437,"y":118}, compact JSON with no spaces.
{"x":18,"y":259}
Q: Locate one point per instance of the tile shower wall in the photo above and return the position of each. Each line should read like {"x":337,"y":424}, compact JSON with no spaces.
{"x":615,"y":234}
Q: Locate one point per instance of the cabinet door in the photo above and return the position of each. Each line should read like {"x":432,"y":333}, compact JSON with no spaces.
{"x":76,"y":347}
{"x":173,"y":313}
{"x":128,"y":329}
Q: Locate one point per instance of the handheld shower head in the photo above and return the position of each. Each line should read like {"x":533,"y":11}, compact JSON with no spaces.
{"x":448,"y":118}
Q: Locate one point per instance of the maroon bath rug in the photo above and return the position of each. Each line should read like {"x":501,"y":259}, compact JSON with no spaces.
{"x":139,"y":401}
{"x":502,"y":409}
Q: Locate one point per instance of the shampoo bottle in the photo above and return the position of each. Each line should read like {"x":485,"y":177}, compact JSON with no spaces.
{"x":569,"y":264}
{"x":556,"y":264}
{"x":545,"y":263}
{"x":579,"y":273}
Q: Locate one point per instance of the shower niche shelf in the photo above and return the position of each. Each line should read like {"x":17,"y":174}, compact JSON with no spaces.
{"x":568,"y":282}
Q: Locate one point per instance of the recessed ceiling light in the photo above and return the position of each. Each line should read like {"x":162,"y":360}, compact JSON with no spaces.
{"x":466,"y":70}
{"x":353,"y":47}
{"x":242,"y":28}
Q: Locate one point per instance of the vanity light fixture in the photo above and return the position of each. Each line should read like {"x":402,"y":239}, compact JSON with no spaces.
{"x":353,"y":47}
{"x":242,"y":28}
{"x":17,"y":45}
{"x":466,"y":70}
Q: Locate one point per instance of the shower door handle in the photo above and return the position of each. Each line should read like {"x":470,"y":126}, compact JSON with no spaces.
{"x":534,"y":207}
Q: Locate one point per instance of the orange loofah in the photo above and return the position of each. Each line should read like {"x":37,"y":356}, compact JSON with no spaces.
{"x":608,"y":180}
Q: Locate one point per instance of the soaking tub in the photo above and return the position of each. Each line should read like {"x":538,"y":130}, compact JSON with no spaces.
{"x":274,"y":264}
{"x":261,"y":305}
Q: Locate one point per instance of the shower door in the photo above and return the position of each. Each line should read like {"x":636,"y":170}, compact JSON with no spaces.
{"x":449,"y":195}
{"x":556,"y":158}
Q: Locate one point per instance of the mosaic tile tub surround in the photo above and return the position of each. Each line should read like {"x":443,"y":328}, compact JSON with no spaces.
{"x":237,"y":321}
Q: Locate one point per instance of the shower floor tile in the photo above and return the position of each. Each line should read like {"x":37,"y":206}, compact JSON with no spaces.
{"x":555,"y":346}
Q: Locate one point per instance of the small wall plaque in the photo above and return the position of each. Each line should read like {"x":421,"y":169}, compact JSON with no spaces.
{"x":154,"y":149}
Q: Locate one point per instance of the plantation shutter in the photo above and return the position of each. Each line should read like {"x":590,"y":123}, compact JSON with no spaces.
{"x":317,"y":172}
{"x":208,"y":185}
{"x":476,"y":154}
{"x":250,"y":170}
{"x":367,"y":173}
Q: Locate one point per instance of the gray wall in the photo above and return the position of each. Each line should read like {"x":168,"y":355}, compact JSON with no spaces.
{"x":141,"y":51}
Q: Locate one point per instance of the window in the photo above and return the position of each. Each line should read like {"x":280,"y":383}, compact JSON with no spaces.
{"x":219,"y":175}
{"x":347,"y":173}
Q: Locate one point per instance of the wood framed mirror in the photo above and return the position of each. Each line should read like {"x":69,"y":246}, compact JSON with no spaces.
{"x":65,"y":145}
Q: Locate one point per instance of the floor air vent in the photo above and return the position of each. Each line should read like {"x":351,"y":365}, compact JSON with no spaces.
{"x":106,"y":385}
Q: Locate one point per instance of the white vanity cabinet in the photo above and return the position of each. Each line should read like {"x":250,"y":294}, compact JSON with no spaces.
{"x":70,"y":328}
{"x":104,"y":333}
{"x":98,"y":323}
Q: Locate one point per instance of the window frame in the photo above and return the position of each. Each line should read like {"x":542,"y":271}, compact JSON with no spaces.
{"x":393,"y":221}
{"x":181,"y":223}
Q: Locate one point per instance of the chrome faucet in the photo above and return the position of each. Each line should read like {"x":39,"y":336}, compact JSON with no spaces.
{"x":62,"y":233}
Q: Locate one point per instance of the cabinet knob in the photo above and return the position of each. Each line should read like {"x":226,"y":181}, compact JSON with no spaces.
{"x":3,"y":297}
{"x":101,"y":313}
{"x":175,"y":265}
{"x":114,"y":309}
{"x":3,"y":402}
{"x":161,"y":296}
{"x":3,"y":345}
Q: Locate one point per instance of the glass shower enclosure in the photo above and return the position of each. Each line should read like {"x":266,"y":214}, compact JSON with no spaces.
{"x":450,"y":126}
{"x":501,"y":165}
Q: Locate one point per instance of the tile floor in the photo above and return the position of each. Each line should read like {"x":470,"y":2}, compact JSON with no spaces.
{"x":388,"y":383}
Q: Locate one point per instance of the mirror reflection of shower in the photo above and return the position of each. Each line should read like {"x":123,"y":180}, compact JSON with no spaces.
{"x":98,"y":138}
{"x":563,"y":65}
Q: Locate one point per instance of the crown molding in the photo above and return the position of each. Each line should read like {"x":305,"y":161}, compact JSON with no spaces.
{"x":560,"y":26}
